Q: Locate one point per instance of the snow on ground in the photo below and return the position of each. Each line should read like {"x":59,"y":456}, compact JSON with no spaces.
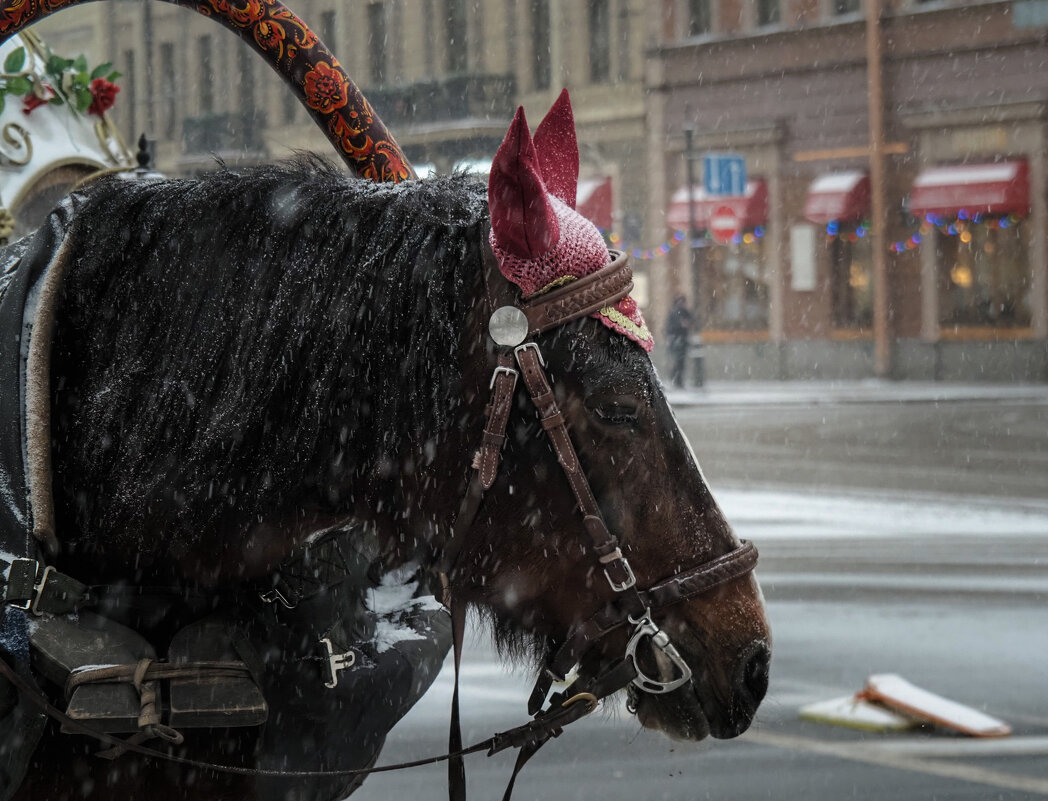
{"x":863,"y":391}
{"x":779,"y":514}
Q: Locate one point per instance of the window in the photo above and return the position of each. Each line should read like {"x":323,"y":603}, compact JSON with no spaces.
{"x":457,"y":55}
{"x":600,"y":40}
{"x":734,"y":286}
{"x":290,"y":106}
{"x":846,"y":6}
{"x":984,"y":273}
{"x":329,"y":29}
{"x":851,"y":279}
{"x":700,"y":17}
{"x":246,"y":64}
{"x":427,"y":41}
{"x":131,"y":87}
{"x":768,"y":12}
{"x":625,"y":61}
{"x":168,"y":100}
{"x":540,"y":44}
{"x":512,"y":32}
{"x":207,"y":74}
{"x":377,"y":53}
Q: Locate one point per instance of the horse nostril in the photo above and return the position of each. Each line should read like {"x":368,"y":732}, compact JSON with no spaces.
{"x":755,"y":673}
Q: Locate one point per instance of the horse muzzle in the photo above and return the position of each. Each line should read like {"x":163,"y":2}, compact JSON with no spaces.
{"x":704,"y":706}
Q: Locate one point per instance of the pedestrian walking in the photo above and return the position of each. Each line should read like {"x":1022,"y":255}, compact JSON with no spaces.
{"x":678,"y":326}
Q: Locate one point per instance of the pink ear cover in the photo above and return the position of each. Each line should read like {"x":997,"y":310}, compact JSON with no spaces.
{"x":540,"y":241}
{"x":558,"y":150}
{"x":522,"y":220}
{"x":579,"y":252}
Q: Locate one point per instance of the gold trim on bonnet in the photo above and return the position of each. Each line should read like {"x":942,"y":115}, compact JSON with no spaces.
{"x":620,"y":319}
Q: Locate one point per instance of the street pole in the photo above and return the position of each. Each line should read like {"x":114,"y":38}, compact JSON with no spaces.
{"x":878,"y":205}
{"x":693,"y":235}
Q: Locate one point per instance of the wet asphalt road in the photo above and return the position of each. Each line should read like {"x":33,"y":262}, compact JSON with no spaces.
{"x":908,"y":538}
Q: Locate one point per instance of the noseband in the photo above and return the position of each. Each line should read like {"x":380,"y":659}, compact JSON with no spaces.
{"x":513,"y":325}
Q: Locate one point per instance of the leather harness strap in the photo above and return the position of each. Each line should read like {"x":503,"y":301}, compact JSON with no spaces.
{"x":580,"y":297}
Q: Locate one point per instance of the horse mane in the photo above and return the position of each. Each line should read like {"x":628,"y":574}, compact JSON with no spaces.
{"x":223,"y":341}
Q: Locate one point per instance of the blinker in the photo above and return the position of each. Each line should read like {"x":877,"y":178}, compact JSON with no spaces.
{"x":508,"y":326}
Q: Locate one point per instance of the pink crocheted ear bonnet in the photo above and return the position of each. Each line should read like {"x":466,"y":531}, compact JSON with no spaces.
{"x":539,"y":239}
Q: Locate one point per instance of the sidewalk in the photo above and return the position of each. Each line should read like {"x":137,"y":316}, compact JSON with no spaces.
{"x":777,"y":393}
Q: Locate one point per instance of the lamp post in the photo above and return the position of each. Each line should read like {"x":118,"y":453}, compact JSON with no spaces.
{"x":693,"y":235}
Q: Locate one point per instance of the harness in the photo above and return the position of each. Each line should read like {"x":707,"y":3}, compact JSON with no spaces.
{"x":513,"y":327}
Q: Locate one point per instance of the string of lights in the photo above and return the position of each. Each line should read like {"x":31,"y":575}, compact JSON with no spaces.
{"x":959,"y":227}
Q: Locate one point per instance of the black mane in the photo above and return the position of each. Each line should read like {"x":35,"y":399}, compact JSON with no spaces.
{"x":218,"y":335}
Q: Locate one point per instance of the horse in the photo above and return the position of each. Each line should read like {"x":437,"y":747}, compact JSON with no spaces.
{"x":244,"y":362}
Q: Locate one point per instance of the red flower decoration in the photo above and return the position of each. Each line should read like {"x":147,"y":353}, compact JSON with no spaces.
{"x":32,"y":101}
{"x":326,"y":88}
{"x":103,"y":95}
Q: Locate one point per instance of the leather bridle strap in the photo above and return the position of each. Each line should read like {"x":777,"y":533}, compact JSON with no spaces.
{"x":580,"y":297}
{"x":604,"y":543}
{"x":681,"y":587}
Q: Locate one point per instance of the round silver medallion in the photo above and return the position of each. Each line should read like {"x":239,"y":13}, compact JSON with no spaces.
{"x":508,"y":326}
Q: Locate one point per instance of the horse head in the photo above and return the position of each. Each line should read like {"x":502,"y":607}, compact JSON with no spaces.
{"x":528,"y":559}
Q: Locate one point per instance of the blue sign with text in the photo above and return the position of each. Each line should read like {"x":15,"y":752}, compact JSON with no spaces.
{"x":723,"y":174}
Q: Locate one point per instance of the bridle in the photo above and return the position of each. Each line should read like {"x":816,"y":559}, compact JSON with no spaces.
{"x":513,"y":325}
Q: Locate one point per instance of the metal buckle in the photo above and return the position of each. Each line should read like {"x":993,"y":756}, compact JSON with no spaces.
{"x":630,"y":581}
{"x":645,"y":627}
{"x":336,"y":662}
{"x":31,"y":604}
{"x":275,"y":595}
{"x":529,"y":346}
{"x":507,"y":371}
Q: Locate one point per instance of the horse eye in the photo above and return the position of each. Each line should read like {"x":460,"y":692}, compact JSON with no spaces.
{"x":617,"y":412}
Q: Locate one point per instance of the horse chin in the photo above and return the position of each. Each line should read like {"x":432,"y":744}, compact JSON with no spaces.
{"x":678,"y":714}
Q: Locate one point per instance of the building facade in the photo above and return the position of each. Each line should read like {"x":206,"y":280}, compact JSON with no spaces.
{"x":445,"y":75}
{"x":951,"y":284}
{"x":785,"y":84}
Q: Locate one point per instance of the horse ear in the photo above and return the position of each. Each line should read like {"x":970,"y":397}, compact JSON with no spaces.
{"x":522,"y":217}
{"x":558,"y":149}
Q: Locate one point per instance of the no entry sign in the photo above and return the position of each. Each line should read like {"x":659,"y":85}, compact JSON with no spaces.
{"x":724,"y":224}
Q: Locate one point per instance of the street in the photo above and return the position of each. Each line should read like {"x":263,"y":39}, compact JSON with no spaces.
{"x":907,"y":538}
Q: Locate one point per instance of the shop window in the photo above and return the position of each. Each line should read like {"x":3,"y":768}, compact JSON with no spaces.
{"x":733,"y":285}
{"x":700,"y":17}
{"x":851,"y":279}
{"x":984,"y":273}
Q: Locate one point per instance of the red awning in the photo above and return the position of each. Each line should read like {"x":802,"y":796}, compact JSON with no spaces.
{"x":841,"y":196}
{"x":593,"y":200}
{"x":751,"y":209}
{"x":1001,"y":188}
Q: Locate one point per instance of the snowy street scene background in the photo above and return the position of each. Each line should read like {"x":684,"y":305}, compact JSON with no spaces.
{"x":902,"y":530}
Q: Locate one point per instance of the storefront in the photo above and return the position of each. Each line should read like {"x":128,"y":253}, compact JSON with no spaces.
{"x":731,"y":276}
{"x":839,"y":202}
{"x":973,"y":221}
